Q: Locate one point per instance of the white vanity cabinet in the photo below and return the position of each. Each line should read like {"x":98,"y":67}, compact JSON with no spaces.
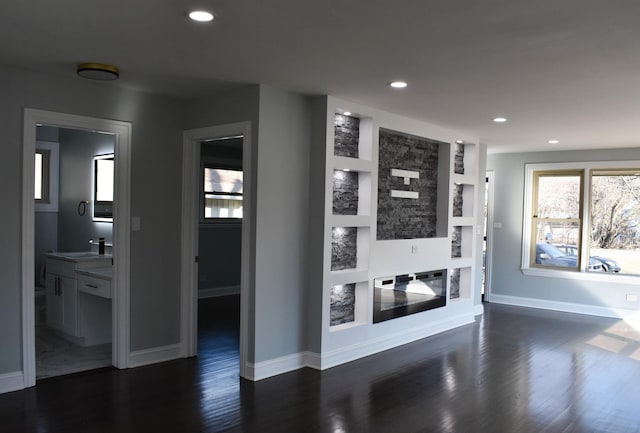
{"x":62,"y":288}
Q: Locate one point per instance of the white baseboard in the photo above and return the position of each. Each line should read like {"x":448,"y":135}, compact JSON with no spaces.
{"x":567,"y":307}
{"x":11,"y":382}
{"x":478,"y":310}
{"x":283,"y":364}
{"x":218,"y":291}
{"x":370,"y":347}
{"x":154,"y":355}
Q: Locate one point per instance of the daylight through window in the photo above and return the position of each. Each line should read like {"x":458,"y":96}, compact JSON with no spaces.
{"x":222,"y":193}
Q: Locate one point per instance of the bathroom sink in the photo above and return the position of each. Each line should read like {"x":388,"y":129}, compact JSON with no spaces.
{"x":78,"y":256}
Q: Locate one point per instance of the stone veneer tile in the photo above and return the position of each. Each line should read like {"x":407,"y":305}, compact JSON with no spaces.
{"x":456,"y":242}
{"x":344,"y":248}
{"x":458,"y":159}
{"x":345,"y":192}
{"x":347,"y":136}
{"x":343,"y":303}
{"x":454,"y":287}
{"x":402,"y":218}
{"x":457,"y":200}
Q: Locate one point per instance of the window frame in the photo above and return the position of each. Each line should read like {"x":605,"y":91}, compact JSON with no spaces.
{"x":203,"y":193}
{"x":50,"y":179}
{"x":94,"y":189}
{"x":528,"y":241}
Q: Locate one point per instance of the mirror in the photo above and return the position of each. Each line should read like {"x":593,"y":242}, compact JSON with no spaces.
{"x":103,"y":178}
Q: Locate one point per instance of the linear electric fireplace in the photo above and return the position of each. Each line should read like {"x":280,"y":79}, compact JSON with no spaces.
{"x":401,"y":295}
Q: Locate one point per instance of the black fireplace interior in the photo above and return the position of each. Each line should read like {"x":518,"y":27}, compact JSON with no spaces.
{"x":401,"y":295}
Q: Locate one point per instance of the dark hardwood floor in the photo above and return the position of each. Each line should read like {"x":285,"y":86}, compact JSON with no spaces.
{"x":515,"y":370}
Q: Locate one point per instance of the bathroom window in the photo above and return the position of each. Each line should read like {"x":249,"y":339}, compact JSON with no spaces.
{"x":222,"y":190}
{"x":45,"y":191}
{"x":103,"y":184}
{"x":42,"y":176}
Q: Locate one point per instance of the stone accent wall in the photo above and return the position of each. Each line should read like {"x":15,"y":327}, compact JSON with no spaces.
{"x":344,"y":248}
{"x":458,"y":159}
{"x":345,"y":192}
{"x":457,"y":200}
{"x":347,"y":136}
{"x":343,"y":304}
{"x":454,"y":286}
{"x":403,"y":218}
{"x":456,"y":242}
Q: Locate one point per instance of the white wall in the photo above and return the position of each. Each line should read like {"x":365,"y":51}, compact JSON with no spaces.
{"x":508,"y":282}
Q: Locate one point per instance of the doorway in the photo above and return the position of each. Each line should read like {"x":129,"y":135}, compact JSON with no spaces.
{"x":60,"y":281}
{"x":487,"y":244}
{"x":199,"y":205}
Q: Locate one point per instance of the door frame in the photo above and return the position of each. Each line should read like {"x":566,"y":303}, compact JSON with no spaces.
{"x":190,"y":224}
{"x":120,"y":310}
{"x":489,"y":222}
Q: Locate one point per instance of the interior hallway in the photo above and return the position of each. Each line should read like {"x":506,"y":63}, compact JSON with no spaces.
{"x":514,"y":370}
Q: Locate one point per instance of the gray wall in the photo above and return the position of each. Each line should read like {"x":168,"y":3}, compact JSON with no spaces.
{"x":219,"y":248}
{"x":155,"y":250}
{"x":282,"y":223}
{"x":507,"y":279}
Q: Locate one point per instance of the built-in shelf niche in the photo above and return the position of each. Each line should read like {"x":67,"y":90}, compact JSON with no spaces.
{"x":464,"y":158}
{"x":461,"y":242}
{"x":348,"y":304}
{"x":460,"y":283}
{"x":351,"y":192}
{"x":352,"y":136}
{"x":463,"y":199}
{"x":349,"y":248}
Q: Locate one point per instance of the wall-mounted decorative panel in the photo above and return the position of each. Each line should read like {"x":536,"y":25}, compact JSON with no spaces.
{"x":407,"y":204}
{"x":343,"y":303}
{"x":345,"y":192}
{"x":344,"y":248}
{"x":347,"y":136}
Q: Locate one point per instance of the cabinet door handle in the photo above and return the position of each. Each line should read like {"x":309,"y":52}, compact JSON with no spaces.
{"x":93,"y":286}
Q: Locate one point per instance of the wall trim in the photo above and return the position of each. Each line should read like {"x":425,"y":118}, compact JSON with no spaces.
{"x":283,"y":364}
{"x":213,"y":292}
{"x":139,"y":358}
{"x":12,"y":382}
{"x":565,"y":307}
{"x":360,"y":350}
{"x":478,"y":310}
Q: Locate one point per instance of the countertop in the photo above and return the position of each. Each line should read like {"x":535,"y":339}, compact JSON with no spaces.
{"x":102,"y":273}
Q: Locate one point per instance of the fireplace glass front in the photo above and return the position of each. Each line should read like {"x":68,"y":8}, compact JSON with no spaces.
{"x":401,"y":295}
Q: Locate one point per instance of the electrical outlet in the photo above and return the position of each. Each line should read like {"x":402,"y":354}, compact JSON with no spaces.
{"x":632,"y":298}
{"x":414,"y":249}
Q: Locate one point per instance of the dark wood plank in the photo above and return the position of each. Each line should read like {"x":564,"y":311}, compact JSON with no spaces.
{"x":514,"y":370}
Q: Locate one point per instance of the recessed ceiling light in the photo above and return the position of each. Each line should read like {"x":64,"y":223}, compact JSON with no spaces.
{"x":499,"y":119}
{"x":201,"y":16}
{"x":398,"y":84}
{"x":347,"y":113}
{"x":553,"y":141}
{"x":460,"y":141}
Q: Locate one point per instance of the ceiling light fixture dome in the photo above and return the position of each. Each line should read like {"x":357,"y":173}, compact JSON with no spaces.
{"x":98,"y":71}
{"x":201,"y":16}
{"x":499,"y":119}
{"x":553,"y":141}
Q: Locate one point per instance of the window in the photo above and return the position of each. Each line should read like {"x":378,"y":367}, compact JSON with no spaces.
{"x":43,"y":158}
{"x":583,"y":218}
{"x":222,"y":193}
{"x":103,"y":184}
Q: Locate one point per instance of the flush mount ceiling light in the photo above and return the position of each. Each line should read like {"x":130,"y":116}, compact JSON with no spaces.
{"x":398,"y":84}
{"x":499,"y":119}
{"x":347,"y":113}
{"x":553,"y":141}
{"x":460,"y":141}
{"x":98,"y":71}
{"x":201,"y":16}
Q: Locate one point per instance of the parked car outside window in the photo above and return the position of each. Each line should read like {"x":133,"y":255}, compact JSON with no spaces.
{"x":608,"y":265}
{"x":547,"y":254}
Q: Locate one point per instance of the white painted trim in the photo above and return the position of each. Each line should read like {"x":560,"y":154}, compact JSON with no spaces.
{"x":283,"y":364}
{"x":478,"y":310}
{"x":489,"y":253}
{"x":189,"y":244}
{"x":154,"y":355}
{"x":11,"y":382}
{"x":121,"y":232}
{"x":566,"y":307}
{"x":396,"y":193}
{"x":389,"y":341}
{"x":213,"y":292}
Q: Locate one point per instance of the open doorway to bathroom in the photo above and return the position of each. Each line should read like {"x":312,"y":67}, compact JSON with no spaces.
{"x":73,"y":221}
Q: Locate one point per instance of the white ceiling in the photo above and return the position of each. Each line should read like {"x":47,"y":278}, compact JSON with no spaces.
{"x":565,"y":69}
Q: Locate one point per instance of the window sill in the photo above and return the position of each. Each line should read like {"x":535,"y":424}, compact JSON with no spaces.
{"x":582,"y":276}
